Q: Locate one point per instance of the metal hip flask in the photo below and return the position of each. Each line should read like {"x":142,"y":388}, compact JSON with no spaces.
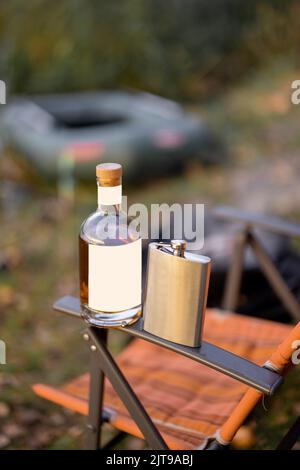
{"x":176,"y":293}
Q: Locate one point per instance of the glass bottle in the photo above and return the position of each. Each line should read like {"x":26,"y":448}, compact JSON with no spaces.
{"x":110,"y":257}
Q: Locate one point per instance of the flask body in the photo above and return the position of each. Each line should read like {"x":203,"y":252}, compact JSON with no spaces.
{"x":176,"y":294}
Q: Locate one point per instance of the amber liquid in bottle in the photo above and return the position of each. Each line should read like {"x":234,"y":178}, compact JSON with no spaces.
{"x":83,"y":270}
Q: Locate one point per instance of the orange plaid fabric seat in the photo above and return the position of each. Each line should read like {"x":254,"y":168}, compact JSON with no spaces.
{"x":187,"y":401}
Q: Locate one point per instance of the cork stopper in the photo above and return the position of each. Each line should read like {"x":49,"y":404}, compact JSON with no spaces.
{"x":109,"y":174}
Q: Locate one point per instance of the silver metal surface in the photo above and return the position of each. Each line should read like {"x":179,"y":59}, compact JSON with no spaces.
{"x":178,"y":247}
{"x":176,"y":293}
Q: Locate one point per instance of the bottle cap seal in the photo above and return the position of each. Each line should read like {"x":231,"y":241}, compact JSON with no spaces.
{"x":109,"y":174}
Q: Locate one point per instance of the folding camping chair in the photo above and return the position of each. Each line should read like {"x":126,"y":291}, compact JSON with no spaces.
{"x":179,"y":397}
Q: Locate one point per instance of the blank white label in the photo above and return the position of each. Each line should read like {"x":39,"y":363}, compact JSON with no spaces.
{"x":109,"y":195}
{"x":115,"y":277}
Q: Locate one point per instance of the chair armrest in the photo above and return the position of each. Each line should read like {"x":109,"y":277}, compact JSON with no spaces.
{"x":260,"y":378}
{"x":252,"y":219}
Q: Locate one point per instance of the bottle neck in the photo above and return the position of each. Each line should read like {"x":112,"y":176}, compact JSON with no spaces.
{"x":109,"y":198}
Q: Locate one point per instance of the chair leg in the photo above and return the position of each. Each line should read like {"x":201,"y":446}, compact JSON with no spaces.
{"x":275,"y":279}
{"x":291,"y":437}
{"x":233,"y":280}
{"x":126,"y":393}
{"x":96,"y":391}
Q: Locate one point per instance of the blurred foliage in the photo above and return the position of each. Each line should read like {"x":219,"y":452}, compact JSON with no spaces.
{"x":176,"y":48}
{"x":38,"y":256}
